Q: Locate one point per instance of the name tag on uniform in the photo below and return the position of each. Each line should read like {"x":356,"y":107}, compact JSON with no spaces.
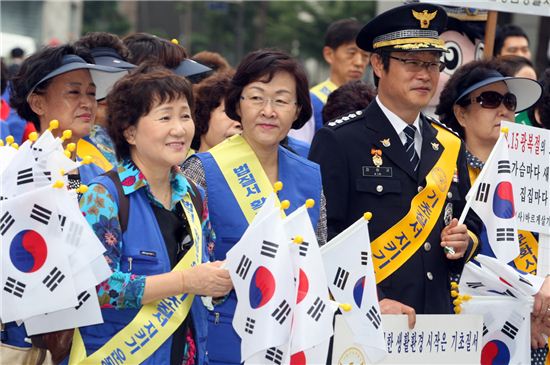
{"x":373,"y":171}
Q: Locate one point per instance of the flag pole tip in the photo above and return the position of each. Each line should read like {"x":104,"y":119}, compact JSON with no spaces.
{"x":454,"y":293}
{"x":9,"y":140}
{"x":71,"y":147}
{"x":457,"y":309}
{"x":54,"y":124}
{"x":504,"y":129}
{"x":346,"y":307}
{"x":310,"y":203}
{"x":15,"y":145}
{"x":175,"y":41}
{"x":367,"y":216}
{"x":278,"y":186}
{"x":58,"y":184}
{"x":1,"y":143}
{"x":454,"y":285}
{"x":298,"y":239}
{"x":33,"y":136}
{"x":82,"y":189}
{"x":87,"y":160}
{"x":67,"y":134}
{"x":67,"y":153}
{"x":466,"y":297}
{"x":285,"y":204}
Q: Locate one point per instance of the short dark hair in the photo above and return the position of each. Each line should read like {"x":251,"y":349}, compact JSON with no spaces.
{"x":543,"y":104}
{"x":3,"y":76}
{"x":464,"y":77}
{"x":17,"y":52}
{"x":93,"y":40}
{"x":148,"y":48}
{"x":341,"y":32}
{"x":262,"y":65}
{"x":209,"y":95}
{"x":32,"y":70}
{"x":136,"y":94}
{"x":352,"y":96}
{"x":508,"y":30}
{"x":385,"y":57}
{"x":510,"y":65}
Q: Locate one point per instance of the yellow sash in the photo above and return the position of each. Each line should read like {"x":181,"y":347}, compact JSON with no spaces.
{"x":394,"y":247}
{"x":323,"y":90}
{"x":85,"y":148}
{"x":244,"y":174}
{"x":154,"y":323}
{"x":528,"y":251}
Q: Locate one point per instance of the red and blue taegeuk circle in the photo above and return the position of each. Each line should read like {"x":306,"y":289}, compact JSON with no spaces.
{"x":28,"y":251}
{"x":262,"y":287}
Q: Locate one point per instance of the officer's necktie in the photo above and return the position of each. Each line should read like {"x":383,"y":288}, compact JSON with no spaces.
{"x":409,"y":147}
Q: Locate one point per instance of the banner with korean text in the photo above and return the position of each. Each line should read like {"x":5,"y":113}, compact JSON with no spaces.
{"x":435,"y":339}
{"x":529,"y":149}
{"x":532,"y":7}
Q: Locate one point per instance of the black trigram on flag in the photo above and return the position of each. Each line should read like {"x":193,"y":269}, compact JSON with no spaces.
{"x":62,"y":221}
{"x":341,"y":278}
{"x":274,"y":355}
{"x":303,"y":248}
{"x":6,"y":222}
{"x":24,"y":176}
{"x":281,"y":312}
{"x":249,"y":325}
{"x":269,"y":249}
{"x":505,"y":235}
{"x":41,"y":214}
{"x":524,"y":281}
{"x":54,"y":278}
{"x":74,"y":233}
{"x":82,"y":298}
{"x":504,"y":167}
{"x":316,"y":309}
{"x":483,"y":192}
{"x":374,"y":317}
{"x":474,"y":284}
{"x":509,"y":330}
{"x":364,"y":258}
{"x":485,"y":329}
{"x":244,"y":266}
{"x":14,"y":287}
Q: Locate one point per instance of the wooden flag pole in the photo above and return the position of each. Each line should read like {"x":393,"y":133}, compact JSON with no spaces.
{"x":490,"y":30}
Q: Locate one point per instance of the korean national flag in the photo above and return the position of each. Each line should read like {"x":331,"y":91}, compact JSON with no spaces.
{"x":314,"y":312}
{"x":33,"y":261}
{"x":493,"y":201}
{"x":351,"y":280}
{"x":506,"y":329}
{"x":261,"y":271}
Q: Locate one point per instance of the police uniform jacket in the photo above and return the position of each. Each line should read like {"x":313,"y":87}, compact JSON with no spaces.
{"x":343,"y":150}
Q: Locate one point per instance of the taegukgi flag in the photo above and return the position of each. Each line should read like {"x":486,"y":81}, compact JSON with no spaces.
{"x":261,"y":271}
{"x":493,"y":201}
{"x":350,"y":275}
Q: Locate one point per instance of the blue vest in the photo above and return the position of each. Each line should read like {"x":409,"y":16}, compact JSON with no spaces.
{"x":144,"y":235}
{"x":301,"y":180}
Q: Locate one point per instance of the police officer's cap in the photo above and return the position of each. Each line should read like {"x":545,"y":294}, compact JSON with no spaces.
{"x":407,"y":28}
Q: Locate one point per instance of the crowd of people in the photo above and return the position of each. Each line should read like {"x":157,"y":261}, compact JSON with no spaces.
{"x":167,"y":131}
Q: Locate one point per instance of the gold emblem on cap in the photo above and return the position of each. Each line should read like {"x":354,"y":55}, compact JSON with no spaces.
{"x":424,"y":17}
{"x":435,"y":146}
{"x":385,"y":142}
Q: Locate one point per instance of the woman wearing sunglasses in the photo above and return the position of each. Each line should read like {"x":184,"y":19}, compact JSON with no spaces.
{"x":474,"y":102}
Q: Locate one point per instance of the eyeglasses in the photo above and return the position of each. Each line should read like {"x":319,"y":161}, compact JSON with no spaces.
{"x":413,"y":65}
{"x":259,"y":101}
{"x":492,"y":100}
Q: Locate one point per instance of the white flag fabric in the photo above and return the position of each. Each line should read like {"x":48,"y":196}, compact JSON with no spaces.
{"x":480,"y":281}
{"x":261,"y":271}
{"x":350,"y":275}
{"x":313,"y":315}
{"x":506,"y":329}
{"x":493,"y":201}
{"x":33,"y":260}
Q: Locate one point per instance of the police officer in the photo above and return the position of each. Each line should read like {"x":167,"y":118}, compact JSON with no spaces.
{"x":406,"y":169}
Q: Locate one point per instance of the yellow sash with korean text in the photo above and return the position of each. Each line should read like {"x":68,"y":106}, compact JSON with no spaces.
{"x":85,"y":148}
{"x":323,"y":90}
{"x":394,"y":247}
{"x":243,"y":173}
{"x":146,"y":332}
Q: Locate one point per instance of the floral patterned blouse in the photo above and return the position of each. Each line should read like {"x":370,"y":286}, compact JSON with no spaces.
{"x":122,"y":289}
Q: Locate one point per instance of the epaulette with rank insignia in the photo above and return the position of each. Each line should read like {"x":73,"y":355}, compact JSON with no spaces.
{"x":441,"y":124}
{"x":345,"y":119}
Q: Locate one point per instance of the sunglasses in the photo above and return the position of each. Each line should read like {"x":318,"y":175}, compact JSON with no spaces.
{"x":492,"y":100}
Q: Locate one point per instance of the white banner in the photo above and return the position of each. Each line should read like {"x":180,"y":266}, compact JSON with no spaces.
{"x":529,"y":149}
{"x":435,"y":339}
{"x":532,"y":7}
